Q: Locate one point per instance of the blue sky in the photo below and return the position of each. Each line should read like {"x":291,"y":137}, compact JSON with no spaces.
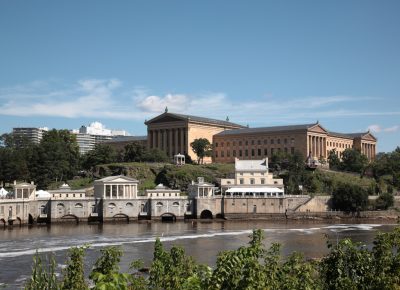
{"x":263,"y":63}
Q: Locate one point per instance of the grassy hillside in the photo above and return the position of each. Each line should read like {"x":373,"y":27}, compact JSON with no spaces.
{"x":151,"y":174}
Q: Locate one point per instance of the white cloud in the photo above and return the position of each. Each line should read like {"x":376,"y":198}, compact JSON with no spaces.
{"x":378,"y":129}
{"x":109,"y":98}
{"x":374,"y":128}
{"x":392,"y":129}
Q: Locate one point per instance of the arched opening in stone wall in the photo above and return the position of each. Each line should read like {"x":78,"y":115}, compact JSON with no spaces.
{"x":31,"y":220}
{"x":69,"y":217}
{"x":206,"y":214}
{"x":121,"y":217}
{"x":168,"y":217}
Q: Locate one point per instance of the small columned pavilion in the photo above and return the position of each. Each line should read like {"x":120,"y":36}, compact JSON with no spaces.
{"x":116,"y":187}
{"x":179,"y":159}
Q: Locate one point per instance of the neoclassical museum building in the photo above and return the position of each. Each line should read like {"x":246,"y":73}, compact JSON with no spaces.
{"x":173,"y":134}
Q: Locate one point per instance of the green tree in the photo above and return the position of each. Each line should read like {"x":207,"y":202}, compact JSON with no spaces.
{"x":384,"y":201}
{"x":202,"y":148}
{"x":333,"y":159}
{"x":349,"y":198}
{"x":134,"y":152}
{"x":155,"y":155}
{"x":353,"y":160}
{"x":43,"y":276}
{"x":74,"y":276}
{"x":101,"y":154}
{"x":56,"y":158}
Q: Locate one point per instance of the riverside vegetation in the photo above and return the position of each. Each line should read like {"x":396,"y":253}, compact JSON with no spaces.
{"x":56,"y":159}
{"x":348,"y":265}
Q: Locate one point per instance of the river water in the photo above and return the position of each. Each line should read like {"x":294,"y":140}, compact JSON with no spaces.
{"x":202,"y":240}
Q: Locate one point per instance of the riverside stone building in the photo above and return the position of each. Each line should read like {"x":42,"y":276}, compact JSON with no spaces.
{"x":173,"y":134}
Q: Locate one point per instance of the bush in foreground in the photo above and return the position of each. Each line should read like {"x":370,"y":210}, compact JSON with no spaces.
{"x":348,"y":266}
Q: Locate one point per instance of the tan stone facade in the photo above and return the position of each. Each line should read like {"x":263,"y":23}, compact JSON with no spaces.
{"x":173,"y":133}
{"x":311,"y":140}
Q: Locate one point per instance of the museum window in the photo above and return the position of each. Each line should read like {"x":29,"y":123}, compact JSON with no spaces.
{"x":259,"y":152}
{"x":279,"y":141}
{"x":240,"y":153}
{"x":251,"y":180}
{"x":265,"y":151}
{"x":234,"y":143}
{"x":228,"y":144}
{"x":240,"y":143}
{"x":265,"y":141}
{"x":216,"y":153}
{"x":247,"y":142}
{"x":246,"y":152}
{"x":234,"y":153}
{"x":241,"y":181}
{"x":292,"y":141}
{"x":222,"y":153}
{"x":286,"y":151}
{"x":222,"y":144}
{"x":216,"y":144}
{"x":258,"y":142}
{"x":272,"y":141}
{"x":228,"y":153}
{"x":292,"y":150}
{"x":285,"y":141}
{"x":252,"y":152}
{"x":262,"y":180}
{"x":252,"y":142}
{"x":272,"y":151}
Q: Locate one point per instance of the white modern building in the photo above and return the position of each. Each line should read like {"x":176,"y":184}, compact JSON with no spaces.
{"x":88,"y":136}
{"x":30,"y":134}
{"x":252,"y":179}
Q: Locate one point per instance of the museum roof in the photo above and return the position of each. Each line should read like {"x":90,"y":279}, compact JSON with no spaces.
{"x":251,"y":165}
{"x":267,"y":129}
{"x":126,"y":139}
{"x":197,"y":119}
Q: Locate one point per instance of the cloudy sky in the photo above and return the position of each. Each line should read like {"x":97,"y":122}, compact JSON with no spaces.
{"x":262,"y":63}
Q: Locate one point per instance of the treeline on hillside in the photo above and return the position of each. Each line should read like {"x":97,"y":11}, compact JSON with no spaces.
{"x":57,"y":158}
{"x":349,"y":190}
{"x":348,"y":265}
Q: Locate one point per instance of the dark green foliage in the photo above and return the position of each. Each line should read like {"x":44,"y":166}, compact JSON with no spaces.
{"x":348,"y":265}
{"x":353,"y":266}
{"x":56,"y":158}
{"x":74,"y":276}
{"x":333,"y":159}
{"x":202,"y":148}
{"x":384,"y":201}
{"x":43,"y":277}
{"x":101,"y":154}
{"x":349,"y":198}
{"x":353,"y":160}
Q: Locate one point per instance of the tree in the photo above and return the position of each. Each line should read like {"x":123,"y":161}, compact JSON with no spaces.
{"x":56,"y":158}
{"x":353,"y":160}
{"x":384,"y":201}
{"x":333,"y":159}
{"x":101,"y":154}
{"x":74,"y":276}
{"x":349,"y":198}
{"x":202,"y":148}
{"x":134,"y":152}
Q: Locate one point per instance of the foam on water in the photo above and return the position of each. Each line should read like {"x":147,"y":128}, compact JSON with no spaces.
{"x":60,"y":244}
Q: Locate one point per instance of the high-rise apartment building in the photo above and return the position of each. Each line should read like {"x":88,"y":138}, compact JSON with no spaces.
{"x":28,"y":134}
